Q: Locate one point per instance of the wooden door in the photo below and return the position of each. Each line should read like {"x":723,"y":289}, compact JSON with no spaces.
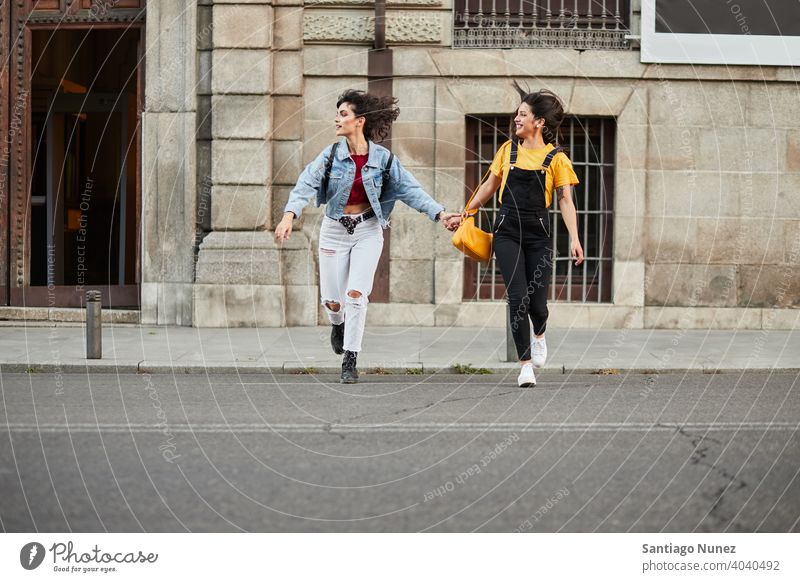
{"x":19,"y":22}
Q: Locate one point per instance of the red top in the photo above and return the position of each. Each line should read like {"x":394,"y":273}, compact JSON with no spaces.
{"x":358,"y":195}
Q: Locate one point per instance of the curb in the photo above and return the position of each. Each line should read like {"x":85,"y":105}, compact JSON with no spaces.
{"x":63,"y":368}
{"x":297,"y":368}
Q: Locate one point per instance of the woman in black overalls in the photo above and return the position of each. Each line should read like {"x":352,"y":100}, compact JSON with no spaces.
{"x":522,"y":235}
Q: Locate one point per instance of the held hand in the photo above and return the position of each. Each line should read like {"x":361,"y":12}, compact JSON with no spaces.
{"x":460,"y":218}
{"x":450,"y":220}
{"x":283,"y":230}
{"x":456,"y":221}
{"x":467,"y":213}
{"x":453,"y":224}
{"x":447,"y":216}
{"x":576,"y":250}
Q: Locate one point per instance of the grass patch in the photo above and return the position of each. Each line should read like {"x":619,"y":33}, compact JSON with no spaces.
{"x":34,"y":370}
{"x":606,"y":372}
{"x":306,"y":371}
{"x":380,"y":371}
{"x":414,"y":371}
{"x":468,"y":369}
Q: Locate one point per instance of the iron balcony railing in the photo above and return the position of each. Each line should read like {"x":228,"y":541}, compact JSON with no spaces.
{"x":576,"y":24}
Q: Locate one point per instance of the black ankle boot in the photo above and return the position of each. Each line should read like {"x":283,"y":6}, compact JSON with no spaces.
{"x":337,"y":338}
{"x":349,"y":372}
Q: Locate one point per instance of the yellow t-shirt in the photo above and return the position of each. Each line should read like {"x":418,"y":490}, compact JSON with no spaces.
{"x":559,"y":172}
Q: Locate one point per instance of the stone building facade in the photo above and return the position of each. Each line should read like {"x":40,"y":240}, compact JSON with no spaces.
{"x":240,"y":94}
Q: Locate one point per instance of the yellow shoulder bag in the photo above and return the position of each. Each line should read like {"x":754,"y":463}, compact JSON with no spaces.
{"x":471,"y":240}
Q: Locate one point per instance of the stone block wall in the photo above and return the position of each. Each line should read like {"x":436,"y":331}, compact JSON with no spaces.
{"x":417,"y":276}
{"x":352,"y":22}
{"x":723,"y":228}
{"x":170,"y":156}
{"x":706,"y":212}
{"x":700,"y":226}
{"x":251,"y":129}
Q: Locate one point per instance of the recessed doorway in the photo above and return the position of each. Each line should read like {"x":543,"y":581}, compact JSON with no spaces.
{"x":84,"y":156}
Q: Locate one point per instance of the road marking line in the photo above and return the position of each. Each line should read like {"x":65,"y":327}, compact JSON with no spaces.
{"x":400,"y":428}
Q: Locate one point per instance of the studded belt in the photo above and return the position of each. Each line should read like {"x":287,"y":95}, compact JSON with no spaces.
{"x":350,"y":222}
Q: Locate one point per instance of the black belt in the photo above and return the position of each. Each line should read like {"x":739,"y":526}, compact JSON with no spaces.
{"x":350,"y":223}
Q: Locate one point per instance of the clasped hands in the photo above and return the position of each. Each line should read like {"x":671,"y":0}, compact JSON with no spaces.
{"x":452,"y":220}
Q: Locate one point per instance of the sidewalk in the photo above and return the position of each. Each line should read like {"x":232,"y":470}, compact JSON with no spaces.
{"x":135,"y":348}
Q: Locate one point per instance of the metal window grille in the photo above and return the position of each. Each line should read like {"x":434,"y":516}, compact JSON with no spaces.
{"x":578,"y":24}
{"x":590,"y":146}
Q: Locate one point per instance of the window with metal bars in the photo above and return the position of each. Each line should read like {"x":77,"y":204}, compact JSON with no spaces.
{"x":589,"y":143}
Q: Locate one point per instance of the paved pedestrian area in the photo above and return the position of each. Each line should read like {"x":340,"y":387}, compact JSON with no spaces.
{"x":129,"y":348}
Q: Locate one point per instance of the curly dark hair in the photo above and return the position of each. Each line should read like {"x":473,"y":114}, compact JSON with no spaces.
{"x":545,"y":105}
{"x":378,"y":112}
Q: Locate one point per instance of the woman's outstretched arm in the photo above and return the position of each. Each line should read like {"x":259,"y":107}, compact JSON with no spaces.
{"x":302,"y":193}
{"x":407,"y":189}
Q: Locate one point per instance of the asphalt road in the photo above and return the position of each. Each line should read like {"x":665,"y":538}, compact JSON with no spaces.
{"x":455,"y":453}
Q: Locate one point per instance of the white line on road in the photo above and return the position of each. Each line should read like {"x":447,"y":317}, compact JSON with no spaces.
{"x":405,"y":427}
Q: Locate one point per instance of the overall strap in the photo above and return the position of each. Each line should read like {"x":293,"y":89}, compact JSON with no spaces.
{"x":546,"y":164}
{"x":549,"y":157}
{"x":512,"y":159}
{"x":386,"y":174}
{"x":328,"y":165}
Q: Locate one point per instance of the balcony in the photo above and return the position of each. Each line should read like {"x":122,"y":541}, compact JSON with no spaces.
{"x":573,"y":24}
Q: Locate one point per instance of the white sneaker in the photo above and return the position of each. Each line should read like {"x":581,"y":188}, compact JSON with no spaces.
{"x":538,"y":352}
{"x":526,"y":377}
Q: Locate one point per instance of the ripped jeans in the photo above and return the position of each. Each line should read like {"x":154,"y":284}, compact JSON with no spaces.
{"x":347,"y":264}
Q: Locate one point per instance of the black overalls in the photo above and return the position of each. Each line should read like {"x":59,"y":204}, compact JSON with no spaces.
{"x":524,"y":250}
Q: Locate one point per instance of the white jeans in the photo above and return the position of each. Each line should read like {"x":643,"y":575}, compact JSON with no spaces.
{"x":347,"y":263}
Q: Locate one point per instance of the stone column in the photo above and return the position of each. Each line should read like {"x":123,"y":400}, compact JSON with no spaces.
{"x":168,"y":164}
{"x":236,"y":281}
{"x":299,"y":257}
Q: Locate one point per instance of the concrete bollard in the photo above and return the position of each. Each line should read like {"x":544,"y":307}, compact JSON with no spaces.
{"x":94,"y":328}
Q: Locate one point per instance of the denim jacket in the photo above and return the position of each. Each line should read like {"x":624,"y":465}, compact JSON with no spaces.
{"x":402,"y":185}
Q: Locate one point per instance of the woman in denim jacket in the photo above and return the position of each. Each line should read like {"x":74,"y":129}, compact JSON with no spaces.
{"x":357,"y":209}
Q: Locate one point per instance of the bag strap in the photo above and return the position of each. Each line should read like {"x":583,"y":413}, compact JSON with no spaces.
{"x":328,"y":165}
{"x":386,"y":174}
{"x":475,"y":191}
